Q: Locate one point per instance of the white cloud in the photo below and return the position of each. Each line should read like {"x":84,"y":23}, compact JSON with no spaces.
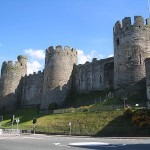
{"x":82,"y":58}
{"x":33,"y":66}
{"x":38,"y":54}
{"x":111,"y":55}
{"x":35,"y":60}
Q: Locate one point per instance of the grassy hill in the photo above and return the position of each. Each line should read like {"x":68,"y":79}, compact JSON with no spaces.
{"x":99,"y":123}
{"x":102,"y":123}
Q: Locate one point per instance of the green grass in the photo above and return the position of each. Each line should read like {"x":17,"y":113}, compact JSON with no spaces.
{"x":25,"y":116}
{"x":102,"y":123}
{"x":82,"y":123}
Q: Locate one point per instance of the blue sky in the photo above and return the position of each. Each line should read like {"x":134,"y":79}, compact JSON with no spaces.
{"x":28,"y":27}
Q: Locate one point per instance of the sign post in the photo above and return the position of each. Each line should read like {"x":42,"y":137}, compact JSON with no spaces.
{"x":34,"y":123}
{"x":17,"y":121}
{"x":70,"y":128}
{"x":12,"y":120}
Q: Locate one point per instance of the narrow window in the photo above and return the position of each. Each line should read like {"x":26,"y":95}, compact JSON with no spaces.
{"x":100,"y":79}
{"x":118,"y":42}
{"x":79,"y":82}
{"x":140,"y":59}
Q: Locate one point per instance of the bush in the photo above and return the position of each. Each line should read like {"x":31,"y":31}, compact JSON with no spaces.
{"x":141,"y":119}
{"x":53,"y":106}
{"x":128,"y":112}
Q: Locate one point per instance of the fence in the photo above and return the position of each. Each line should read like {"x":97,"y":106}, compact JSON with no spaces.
{"x":90,"y":109}
{"x":14,"y":131}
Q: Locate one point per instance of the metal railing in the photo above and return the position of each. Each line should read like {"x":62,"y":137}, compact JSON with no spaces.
{"x":14,"y":131}
{"x":90,"y":109}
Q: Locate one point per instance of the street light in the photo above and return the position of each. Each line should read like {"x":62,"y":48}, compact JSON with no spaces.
{"x":124,"y":101}
{"x":125,"y":98}
{"x":70,"y":128}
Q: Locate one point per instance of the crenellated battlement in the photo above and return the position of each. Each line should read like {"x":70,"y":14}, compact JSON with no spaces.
{"x":126,"y":24}
{"x":39,"y":73}
{"x":95,"y":61}
{"x":22,"y":57}
{"x":11,"y":66}
{"x":60,"y":50}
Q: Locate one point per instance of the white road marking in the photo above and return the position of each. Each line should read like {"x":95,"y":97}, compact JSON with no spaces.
{"x":56,"y":143}
{"x":36,"y":138}
{"x":8,"y":138}
{"x":87,"y":143}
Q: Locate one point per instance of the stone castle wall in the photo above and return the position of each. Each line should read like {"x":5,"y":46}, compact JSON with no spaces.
{"x":30,"y":90}
{"x":95,"y":75}
{"x":131,"y":48}
{"x":125,"y":72}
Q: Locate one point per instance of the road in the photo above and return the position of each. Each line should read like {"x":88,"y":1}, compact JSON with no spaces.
{"x":43,"y":142}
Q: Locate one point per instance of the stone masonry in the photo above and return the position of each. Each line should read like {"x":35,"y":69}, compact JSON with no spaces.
{"x":131,"y":48}
{"x":10,"y":79}
{"x":95,"y":75}
{"x":59,"y":64}
{"x":128,"y":72}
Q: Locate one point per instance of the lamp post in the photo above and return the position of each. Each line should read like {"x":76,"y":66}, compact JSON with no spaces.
{"x":17,"y":121}
{"x":70,"y":128}
{"x":124,"y":101}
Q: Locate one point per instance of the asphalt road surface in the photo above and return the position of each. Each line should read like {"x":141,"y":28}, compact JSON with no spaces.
{"x":43,"y":142}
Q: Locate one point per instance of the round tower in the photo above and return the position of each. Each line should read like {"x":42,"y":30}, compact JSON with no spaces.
{"x":23,"y":63}
{"x":131,"y":48}
{"x":11,"y":75}
{"x":59,"y":64}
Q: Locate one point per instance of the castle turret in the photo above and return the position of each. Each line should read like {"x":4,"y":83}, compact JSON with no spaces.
{"x":59,"y":64}
{"x":10,"y":78}
{"x":22,"y":60}
{"x":131,"y":48}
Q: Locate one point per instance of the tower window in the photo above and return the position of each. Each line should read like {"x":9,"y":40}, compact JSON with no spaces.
{"x":79,"y":82}
{"x":118,"y":42}
{"x":100,"y":80}
{"x":140,"y":59}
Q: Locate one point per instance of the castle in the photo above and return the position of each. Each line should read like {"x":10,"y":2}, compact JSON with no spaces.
{"x":128,"y":72}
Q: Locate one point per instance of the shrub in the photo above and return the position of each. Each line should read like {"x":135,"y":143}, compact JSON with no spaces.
{"x":53,"y":106}
{"x":128,"y":112}
{"x":141,"y":119}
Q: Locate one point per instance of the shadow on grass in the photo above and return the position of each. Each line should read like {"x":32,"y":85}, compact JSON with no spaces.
{"x":122,"y":127}
{"x":24,"y":115}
